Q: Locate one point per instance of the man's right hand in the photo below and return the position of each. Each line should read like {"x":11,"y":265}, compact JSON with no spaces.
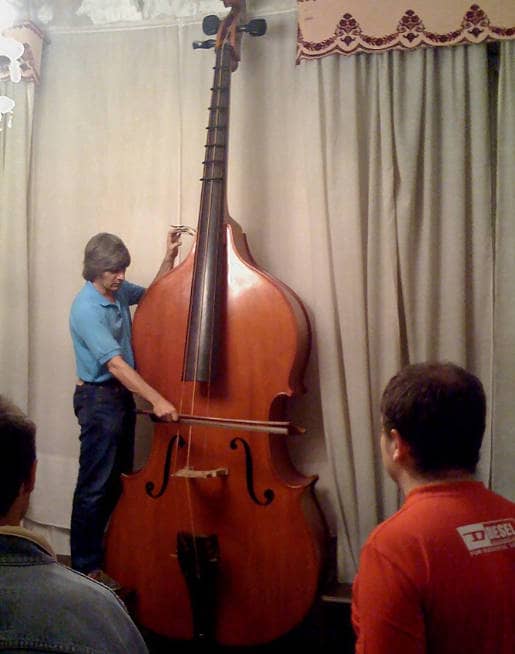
{"x":165,"y":411}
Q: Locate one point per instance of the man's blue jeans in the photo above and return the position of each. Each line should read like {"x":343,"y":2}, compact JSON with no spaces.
{"x":107,"y":417}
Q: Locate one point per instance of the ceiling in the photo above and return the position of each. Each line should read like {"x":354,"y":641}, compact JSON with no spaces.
{"x":55,"y":14}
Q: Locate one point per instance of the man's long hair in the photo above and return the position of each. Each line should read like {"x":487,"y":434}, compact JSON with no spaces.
{"x":104,"y":252}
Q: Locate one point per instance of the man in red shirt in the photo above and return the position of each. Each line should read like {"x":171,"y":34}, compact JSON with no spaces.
{"x":438,"y":577}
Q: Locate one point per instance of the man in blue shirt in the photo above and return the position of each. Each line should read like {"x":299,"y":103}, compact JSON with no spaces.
{"x":45,"y":606}
{"x":100,"y":326}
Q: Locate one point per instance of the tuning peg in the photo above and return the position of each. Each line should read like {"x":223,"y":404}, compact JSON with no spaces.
{"x":210,"y":43}
{"x":210,"y":25}
{"x":255,"y":27}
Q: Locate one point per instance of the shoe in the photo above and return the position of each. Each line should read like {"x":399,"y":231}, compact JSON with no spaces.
{"x":103,"y":578}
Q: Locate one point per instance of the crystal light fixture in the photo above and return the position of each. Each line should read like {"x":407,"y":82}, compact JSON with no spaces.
{"x":10,"y":51}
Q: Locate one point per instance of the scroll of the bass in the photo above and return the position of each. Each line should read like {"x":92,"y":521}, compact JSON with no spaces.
{"x":219,"y":535}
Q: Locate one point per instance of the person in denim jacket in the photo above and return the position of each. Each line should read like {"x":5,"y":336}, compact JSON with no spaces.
{"x":45,"y":606}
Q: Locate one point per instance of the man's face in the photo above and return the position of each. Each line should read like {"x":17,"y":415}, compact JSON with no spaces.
{"x":110,"y":281}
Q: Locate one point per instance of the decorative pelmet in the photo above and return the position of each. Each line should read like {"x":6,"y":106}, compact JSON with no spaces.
{"x":349,"y":27}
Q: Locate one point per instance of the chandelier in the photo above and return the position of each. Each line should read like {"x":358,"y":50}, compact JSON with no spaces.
{"x":11,"y":52}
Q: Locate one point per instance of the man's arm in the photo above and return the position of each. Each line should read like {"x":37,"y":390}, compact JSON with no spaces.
{"x":120,"y":369}
{"x":125,"y":374}
{"x":386,"y":613}
{"x":173,"y":242}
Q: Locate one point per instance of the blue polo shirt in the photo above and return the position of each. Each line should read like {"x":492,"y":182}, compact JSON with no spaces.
{"x":101,"y":329}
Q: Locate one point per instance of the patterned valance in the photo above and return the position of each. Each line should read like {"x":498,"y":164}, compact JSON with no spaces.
{"x":25,"y":61}
{"x":351,"y":26}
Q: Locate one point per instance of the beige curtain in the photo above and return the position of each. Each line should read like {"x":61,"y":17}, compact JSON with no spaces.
{"x":362,"y":183}
{"x":503,"y":425}
{"x":15,"y":156}
{"x":400,"y":180}
{"x":107,"y":158}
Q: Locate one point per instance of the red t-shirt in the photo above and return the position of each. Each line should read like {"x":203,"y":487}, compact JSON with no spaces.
{"x":438,"y":577}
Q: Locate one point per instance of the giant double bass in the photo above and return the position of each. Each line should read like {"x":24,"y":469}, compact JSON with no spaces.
{"x":219,"y":535}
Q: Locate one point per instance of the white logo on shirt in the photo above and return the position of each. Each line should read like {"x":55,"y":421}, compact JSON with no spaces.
{"x":488,"y":536}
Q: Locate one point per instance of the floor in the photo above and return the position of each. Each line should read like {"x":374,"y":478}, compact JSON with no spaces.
{"x":326,"y":629}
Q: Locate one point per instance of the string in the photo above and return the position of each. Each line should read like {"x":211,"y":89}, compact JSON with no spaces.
{"x":211,"y":209}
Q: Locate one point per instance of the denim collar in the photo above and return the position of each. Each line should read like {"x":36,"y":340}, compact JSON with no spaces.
{"x":21,"y":532}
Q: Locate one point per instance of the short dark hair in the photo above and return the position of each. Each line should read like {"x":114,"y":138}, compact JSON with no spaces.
{"x":17,"y":452}
{"x":439,"y":409}
{"x":104,"y":252}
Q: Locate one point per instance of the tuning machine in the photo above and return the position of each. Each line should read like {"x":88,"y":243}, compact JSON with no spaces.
{"x":211,"y":24}
{"x":255,"y":27}
{"x":210,"y":43}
